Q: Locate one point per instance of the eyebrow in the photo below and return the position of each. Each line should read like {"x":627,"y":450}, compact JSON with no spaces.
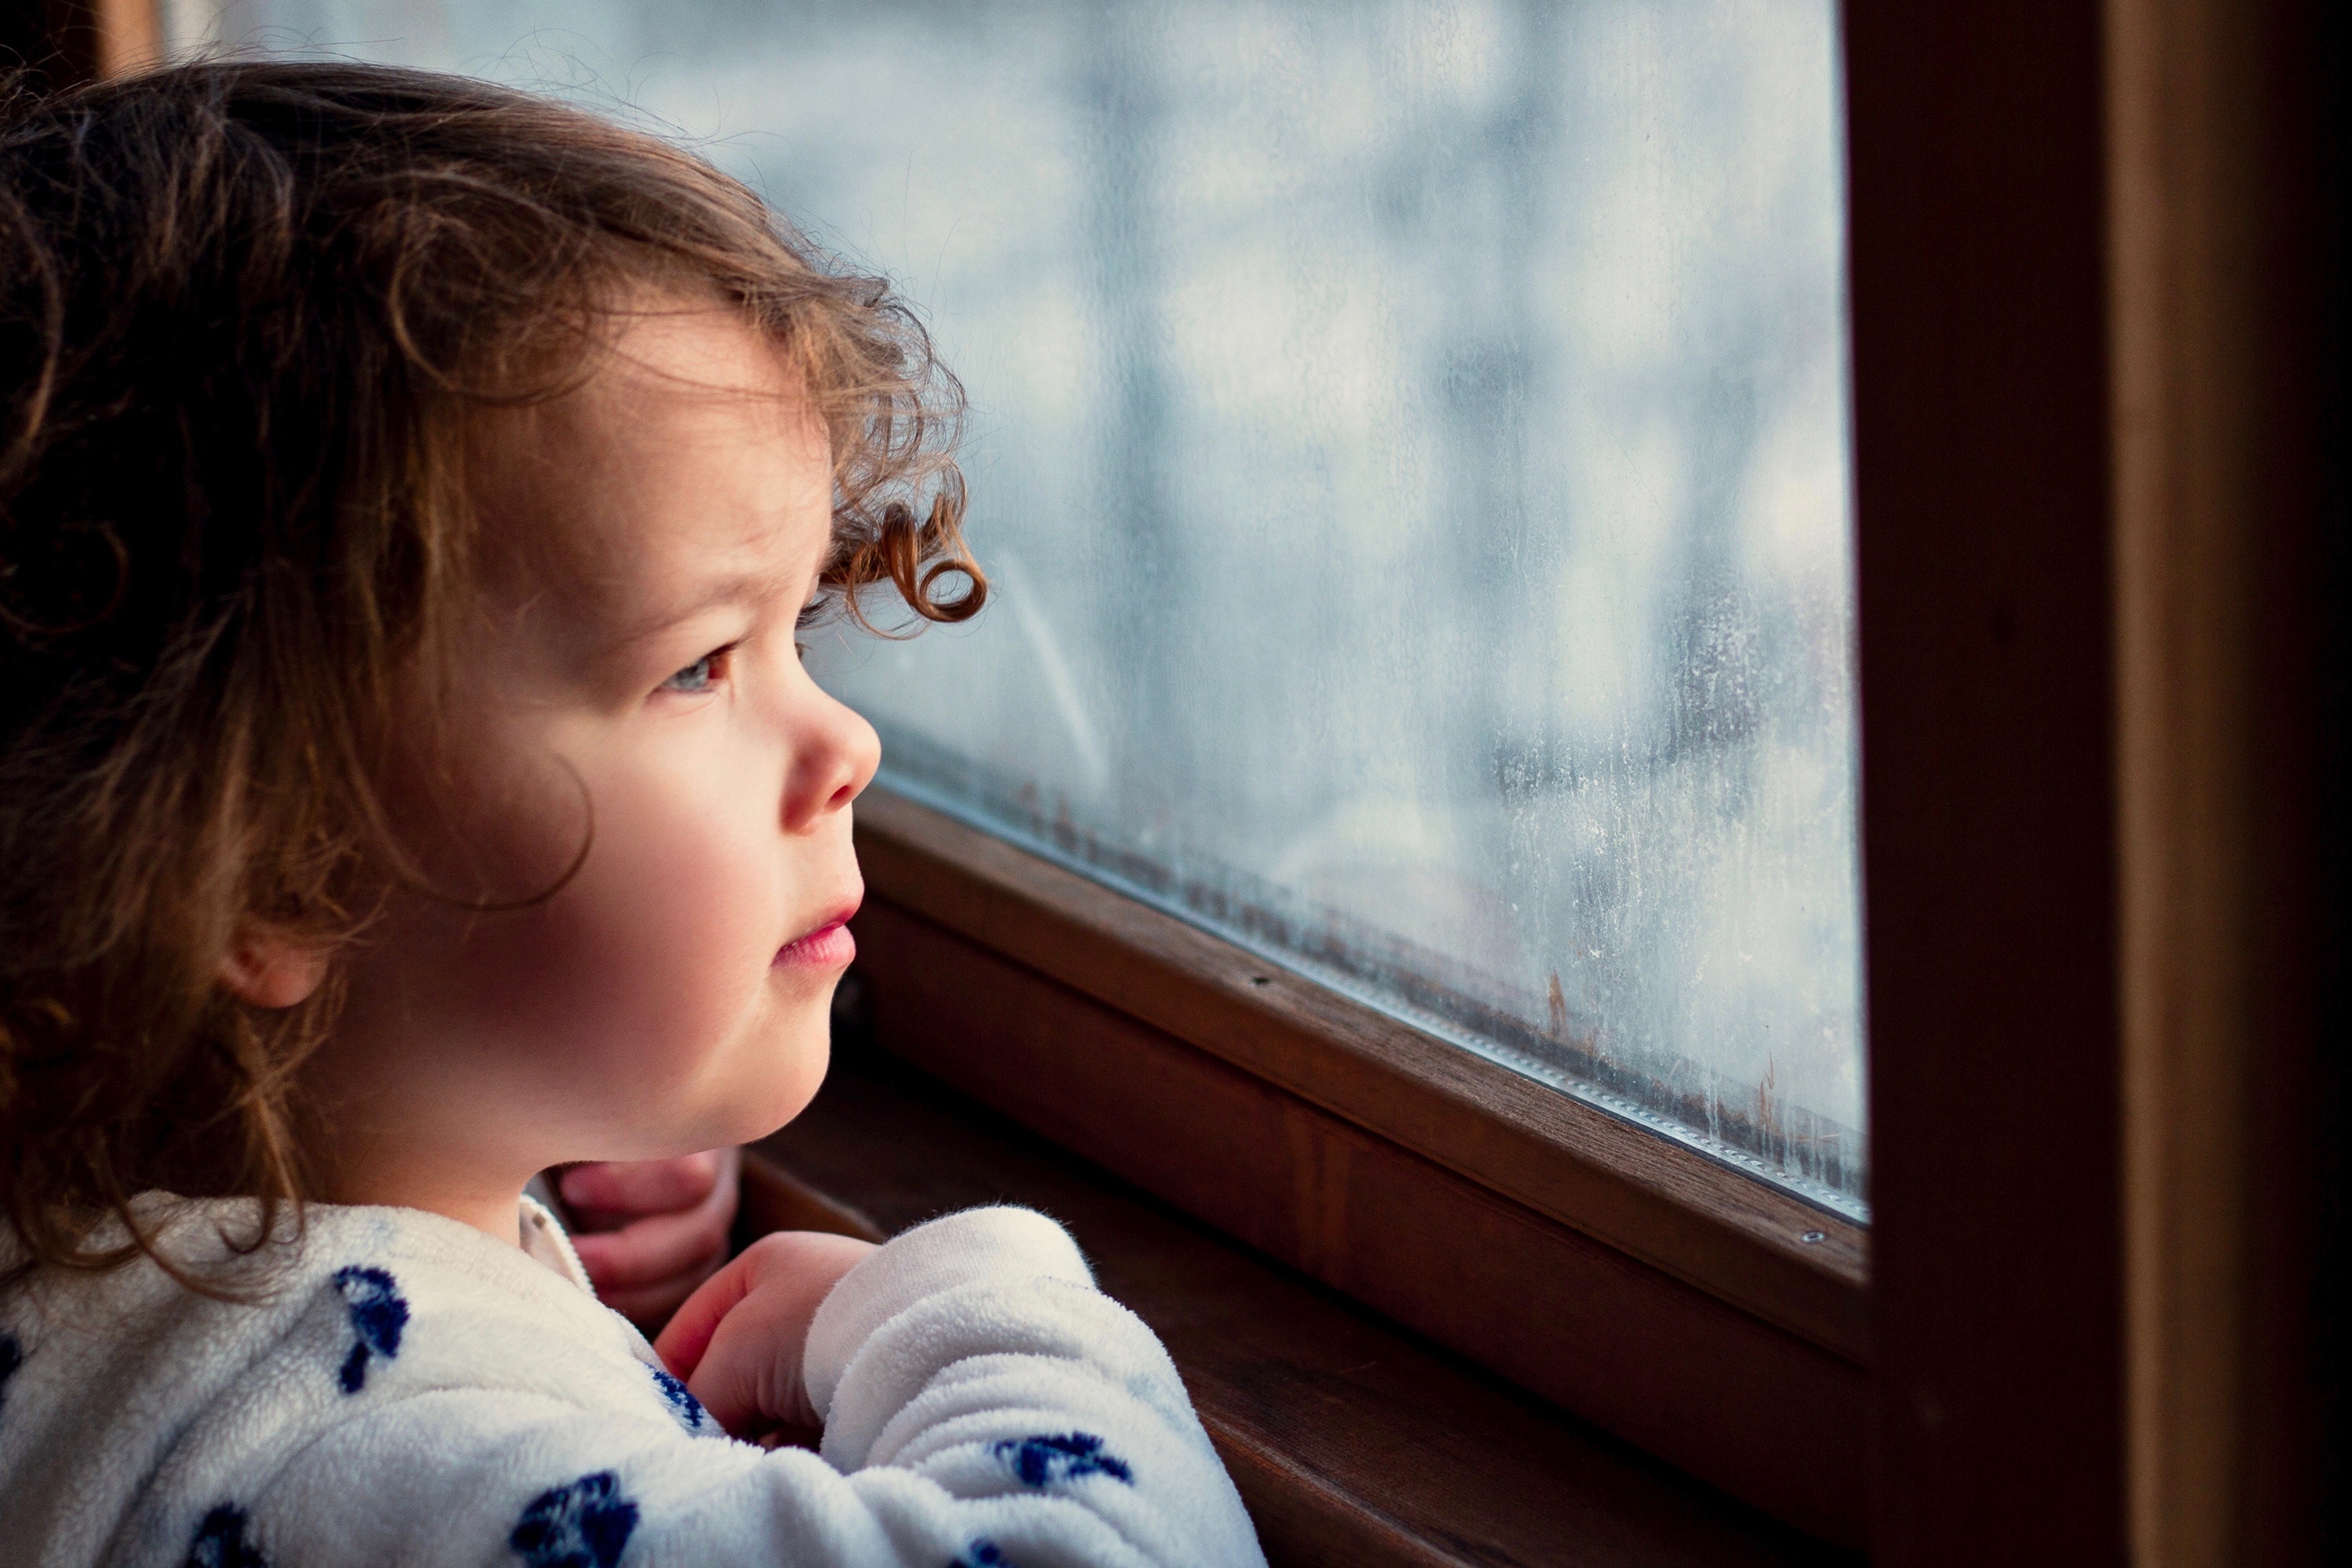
{"x":739,"y":587}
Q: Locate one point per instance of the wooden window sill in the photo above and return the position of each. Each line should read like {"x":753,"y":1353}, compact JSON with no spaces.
{"x":1353,"y":1442}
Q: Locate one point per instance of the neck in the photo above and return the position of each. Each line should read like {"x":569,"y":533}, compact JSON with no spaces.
{"x":361,"y":1169}
{"x":374,"y":1134}
{"x":495,"y":1215}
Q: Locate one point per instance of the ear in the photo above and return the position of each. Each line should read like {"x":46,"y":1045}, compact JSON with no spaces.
{"x":266,"y":970}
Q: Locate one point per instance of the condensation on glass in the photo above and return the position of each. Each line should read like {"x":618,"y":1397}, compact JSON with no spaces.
{"x":1410,"y":448}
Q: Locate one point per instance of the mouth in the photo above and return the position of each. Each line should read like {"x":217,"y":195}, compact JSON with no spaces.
{"x":828,"y":946}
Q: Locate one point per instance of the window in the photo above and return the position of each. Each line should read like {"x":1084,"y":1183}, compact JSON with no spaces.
{"x":1408,"y":445}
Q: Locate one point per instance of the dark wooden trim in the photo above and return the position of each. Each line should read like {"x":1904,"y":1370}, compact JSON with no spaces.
{"x":2220,"y":242}
{"x":1355,"y":1445}
{"x":1982,"y":485}
{"x":2316,"y":1356}
{"x":1766,"y":1415}
{"x":53,"y":42}
{"x":2094,"y":398}
{"x":1732,"y":1236}
{"x":62,"y":42}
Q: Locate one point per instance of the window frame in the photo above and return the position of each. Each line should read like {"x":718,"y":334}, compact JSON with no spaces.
{"x":2036,"y":776}
{"x":1983,"y":495}
{"x":1741,"y":1240}
{"x":2101,"y":533}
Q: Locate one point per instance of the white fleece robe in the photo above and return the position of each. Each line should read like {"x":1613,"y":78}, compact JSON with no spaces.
{"x":412,"y":1391}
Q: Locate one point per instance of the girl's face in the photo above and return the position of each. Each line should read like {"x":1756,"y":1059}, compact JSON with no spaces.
{"x":630,"y":682}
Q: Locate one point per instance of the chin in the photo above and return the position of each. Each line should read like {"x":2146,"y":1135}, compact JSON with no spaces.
{"x":793,"y":1069}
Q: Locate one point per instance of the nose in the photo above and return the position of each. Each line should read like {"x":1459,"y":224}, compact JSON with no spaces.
{"x":834,"y":755}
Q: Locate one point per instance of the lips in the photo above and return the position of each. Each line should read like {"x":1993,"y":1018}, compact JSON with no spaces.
{"x":829,"y":946}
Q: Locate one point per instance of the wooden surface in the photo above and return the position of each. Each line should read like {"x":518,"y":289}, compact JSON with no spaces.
{"x":2220,"y":312}
{"x":772,"y":1198}
{"x":1745,"y":1404}
{"x":1355,"y":1445}
{"x":1981,"y":442}
{"x":128,"y":33}
{"x":69,"y":41}
{"x":1732,"y":1236}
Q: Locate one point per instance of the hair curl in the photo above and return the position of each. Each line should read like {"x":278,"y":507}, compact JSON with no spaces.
{"x":248,"y":310}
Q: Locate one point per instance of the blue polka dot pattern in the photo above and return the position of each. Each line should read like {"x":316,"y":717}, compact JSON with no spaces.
{"x":220,"y":1542}
{"x":378,"y":1315}
{"x":1041,"y":1461}
{"x":682,"y":1403}
{"x":583,"y":1525}
{"x":12,"y":1356}
{"x":984,"y":1553}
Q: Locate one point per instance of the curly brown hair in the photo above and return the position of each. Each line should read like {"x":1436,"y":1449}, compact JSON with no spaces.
{"x":247,"y":312}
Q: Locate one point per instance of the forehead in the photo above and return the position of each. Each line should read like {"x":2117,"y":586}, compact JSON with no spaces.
{"x":690,"y":455}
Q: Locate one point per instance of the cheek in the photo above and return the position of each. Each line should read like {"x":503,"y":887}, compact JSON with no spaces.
{"x":658,"y":950}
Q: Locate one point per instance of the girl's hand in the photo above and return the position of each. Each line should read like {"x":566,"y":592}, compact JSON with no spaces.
{"x":738,"y":1340}
{"x":649,"y":1231}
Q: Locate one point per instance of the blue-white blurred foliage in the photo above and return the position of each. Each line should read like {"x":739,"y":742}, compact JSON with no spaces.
{"x":1410,"y":447}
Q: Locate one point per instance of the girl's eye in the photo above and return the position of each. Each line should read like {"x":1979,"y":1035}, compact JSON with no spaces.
{"x":700,"y":675}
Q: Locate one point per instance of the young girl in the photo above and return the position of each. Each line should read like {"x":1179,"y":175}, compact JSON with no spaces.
{"x":410,"y":492}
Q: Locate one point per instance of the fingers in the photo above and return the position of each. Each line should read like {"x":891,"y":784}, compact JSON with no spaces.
{"x":749,"y":1378}
{"x":656,"y":1249}
{"x":625,"y":1187}
{"x":655,"y":1258}
{"x":738,"y":1340}
{"x":686,"y":1336}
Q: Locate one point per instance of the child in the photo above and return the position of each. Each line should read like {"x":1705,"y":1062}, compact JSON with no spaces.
{"x":409,"y":494}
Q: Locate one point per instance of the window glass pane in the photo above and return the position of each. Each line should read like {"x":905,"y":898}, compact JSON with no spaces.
{"x":1409,"y":447}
